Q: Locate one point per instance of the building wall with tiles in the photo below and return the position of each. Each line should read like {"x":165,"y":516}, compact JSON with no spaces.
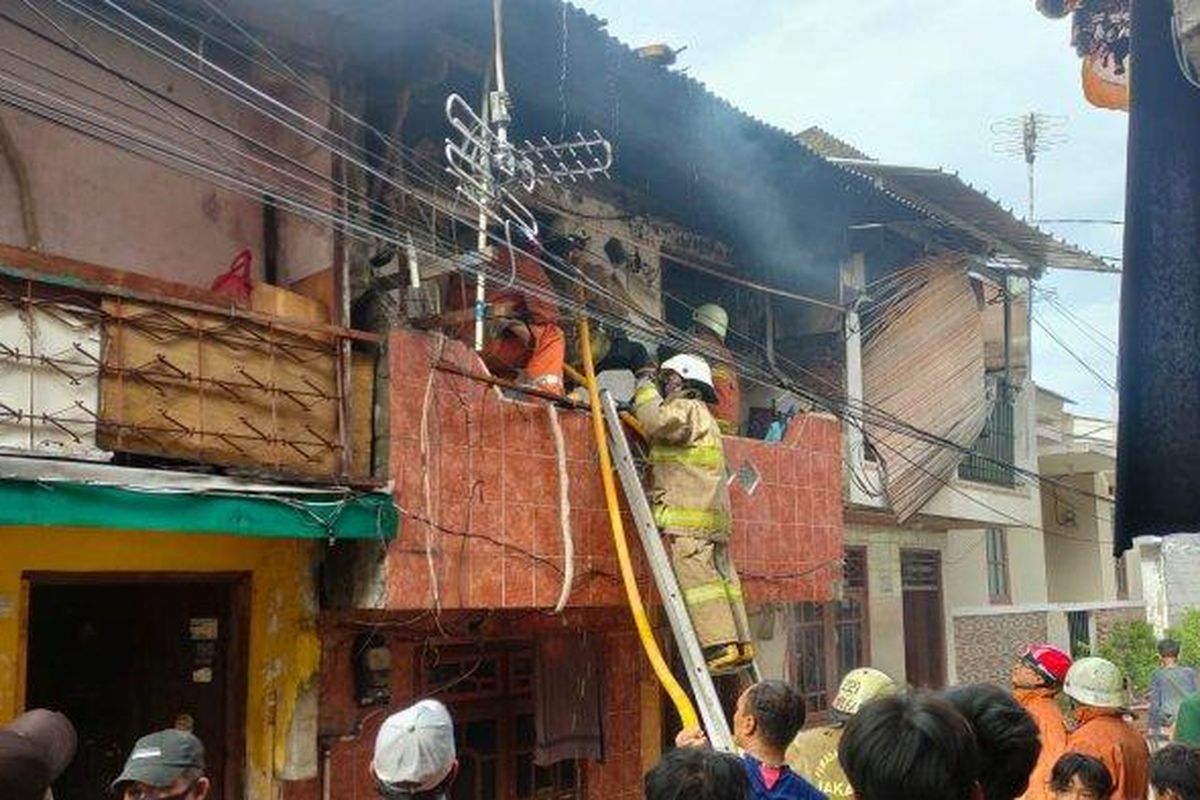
{"x":985,"y":645}
{"x":347,"y":731}
{"x":476,"y":479}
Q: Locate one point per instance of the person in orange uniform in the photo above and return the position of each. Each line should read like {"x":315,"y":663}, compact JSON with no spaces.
{"x":710,"y":324}
{"x":1097,"y":690}
{"x":522,"y":339}
{"x":1037,"y":679}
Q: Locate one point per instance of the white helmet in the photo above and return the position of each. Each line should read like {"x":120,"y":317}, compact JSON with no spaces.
{"x":712,"y":317}
{"x":1095,"y":682}
{"x":693,"y":369}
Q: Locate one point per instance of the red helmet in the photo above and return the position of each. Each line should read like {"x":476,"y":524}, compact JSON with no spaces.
{"x":1048,"y":661}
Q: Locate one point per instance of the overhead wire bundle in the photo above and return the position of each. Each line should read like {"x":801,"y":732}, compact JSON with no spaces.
{"x":156,"y":124}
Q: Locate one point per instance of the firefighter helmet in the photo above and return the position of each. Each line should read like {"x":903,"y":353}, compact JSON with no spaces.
{"x":695,"y":372}
{"x":1048,"y":661}
{"x":712,"y":317}
{"x":1095,"y":682}
{"x":859,"y":687}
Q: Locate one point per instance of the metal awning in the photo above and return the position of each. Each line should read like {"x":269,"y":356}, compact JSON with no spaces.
{"x":72,"y":494}
{"x":956,"y":203}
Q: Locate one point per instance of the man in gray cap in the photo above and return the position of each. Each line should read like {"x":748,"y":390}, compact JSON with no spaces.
{"x":167,"y":765}
{"x":414,"y":753}
{"x":35,"y":748}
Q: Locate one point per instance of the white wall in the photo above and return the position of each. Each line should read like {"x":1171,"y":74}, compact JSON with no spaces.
{"x":885,"y":598}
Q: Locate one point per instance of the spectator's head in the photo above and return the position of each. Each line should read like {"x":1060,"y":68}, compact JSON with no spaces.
{"x":859,"y":687}
{"x":1040,"y":665}
{"x":1175,"y":773}
{"x":1096,"y":683}
{"x":1007,"y":736}
{"x":35,"y":748}
{"x":168,"y":763}
{"x":697,"y":773}
{"x":768,"y":716}
{"x":1076,"y":776}
{"x":907,"y":746}
{"x":1168,"y":650}
{"x":414,"y":753}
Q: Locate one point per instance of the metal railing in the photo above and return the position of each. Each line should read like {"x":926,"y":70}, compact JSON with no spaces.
{"x":993,"y":452}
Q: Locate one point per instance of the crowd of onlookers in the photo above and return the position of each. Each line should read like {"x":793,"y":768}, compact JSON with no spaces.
{"x":1060,"y":731}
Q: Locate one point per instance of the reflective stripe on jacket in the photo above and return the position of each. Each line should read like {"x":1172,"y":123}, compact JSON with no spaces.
{"x":688,"y":492}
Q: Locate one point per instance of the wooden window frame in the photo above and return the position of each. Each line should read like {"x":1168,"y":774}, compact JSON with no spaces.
{"x":510,"y":699}
{"x":824,"y":621}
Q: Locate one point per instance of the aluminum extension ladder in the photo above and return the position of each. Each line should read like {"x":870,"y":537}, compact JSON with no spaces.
{"x":703,"y":690}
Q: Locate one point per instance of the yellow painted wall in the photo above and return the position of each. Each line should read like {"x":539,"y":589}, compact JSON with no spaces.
{"x":284,"y":648}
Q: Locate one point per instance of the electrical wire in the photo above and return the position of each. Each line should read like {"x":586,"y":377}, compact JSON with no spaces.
{"x":767,"y":377}
{"x":1078,"y":358}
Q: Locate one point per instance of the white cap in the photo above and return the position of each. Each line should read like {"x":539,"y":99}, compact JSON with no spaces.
{"x":414,"y":749}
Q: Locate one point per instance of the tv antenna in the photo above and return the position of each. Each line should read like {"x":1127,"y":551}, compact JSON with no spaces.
{"x":1026,"y":136}
{"x":492,"y":170}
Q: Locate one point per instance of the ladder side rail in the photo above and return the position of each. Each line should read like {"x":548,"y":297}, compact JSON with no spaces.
{"x":705,"y":692}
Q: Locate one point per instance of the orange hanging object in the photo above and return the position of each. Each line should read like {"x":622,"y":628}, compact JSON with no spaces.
{"x":1103,"y":85}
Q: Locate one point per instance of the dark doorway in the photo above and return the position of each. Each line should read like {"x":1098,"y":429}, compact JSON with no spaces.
{"x":924,"y":624}
{"x":123,"y":657}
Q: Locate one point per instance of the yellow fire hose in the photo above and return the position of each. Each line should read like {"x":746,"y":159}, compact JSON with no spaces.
{"x":683,"y":703}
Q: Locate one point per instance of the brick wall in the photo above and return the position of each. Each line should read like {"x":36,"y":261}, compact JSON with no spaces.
{"x":348,"y":732}
{"x":1104,"y":618}
{"x":490,"y":522}
{"x":986,"y":645}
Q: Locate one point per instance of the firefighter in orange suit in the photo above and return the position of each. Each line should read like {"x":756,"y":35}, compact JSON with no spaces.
{"x":522,"y":338}
{"x":690,"y":501}
{"x":1096,"y":687}
{"x":1037,"y":680}
{"x":710,"y":324}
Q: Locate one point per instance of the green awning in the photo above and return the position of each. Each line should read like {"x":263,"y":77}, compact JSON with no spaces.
{"x":293,"y":515}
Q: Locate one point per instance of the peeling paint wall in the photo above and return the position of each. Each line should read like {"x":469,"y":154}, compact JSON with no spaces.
{"x":284,"y":652}
{"x":98,"y":203}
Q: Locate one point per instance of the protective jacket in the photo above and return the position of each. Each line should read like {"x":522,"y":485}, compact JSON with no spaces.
{"x":688,"y":493}
{"x":728,"y":408}
{"x":814,"y":754}
{"x":1102,"y":733}
{"x":690,"y":502}
{"x":1052,"y":730}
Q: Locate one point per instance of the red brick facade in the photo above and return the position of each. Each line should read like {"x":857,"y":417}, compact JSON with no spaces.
{"x":495,"y":541}
{"x":496,"y":550}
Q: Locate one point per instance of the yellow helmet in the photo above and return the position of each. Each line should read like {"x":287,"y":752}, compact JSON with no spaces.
{"x":859,"y":687}
{"x":712,"y":317}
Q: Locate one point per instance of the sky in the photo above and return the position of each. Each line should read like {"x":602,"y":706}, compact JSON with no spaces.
{"x":921,"y":82}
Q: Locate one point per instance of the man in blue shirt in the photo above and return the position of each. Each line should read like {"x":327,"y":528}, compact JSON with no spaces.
{"x":768,"y":716}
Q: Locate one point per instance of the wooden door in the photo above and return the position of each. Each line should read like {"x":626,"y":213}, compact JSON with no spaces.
{"x":125,"y":659}
{"x":924,"y":622}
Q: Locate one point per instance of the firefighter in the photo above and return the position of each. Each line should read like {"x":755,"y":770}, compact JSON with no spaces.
{"x":710,"y":325}
{"x":1097,"y":690}
{"x":522,"y":338}
{"x":814,"y":752}
{"x":691,"y":502}
{"x":1037,"y":680}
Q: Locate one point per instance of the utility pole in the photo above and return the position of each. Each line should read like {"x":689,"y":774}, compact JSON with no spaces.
{"x":1026,"y":136}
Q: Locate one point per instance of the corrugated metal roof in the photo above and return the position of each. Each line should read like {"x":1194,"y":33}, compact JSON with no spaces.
{"x":946,"y":197}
